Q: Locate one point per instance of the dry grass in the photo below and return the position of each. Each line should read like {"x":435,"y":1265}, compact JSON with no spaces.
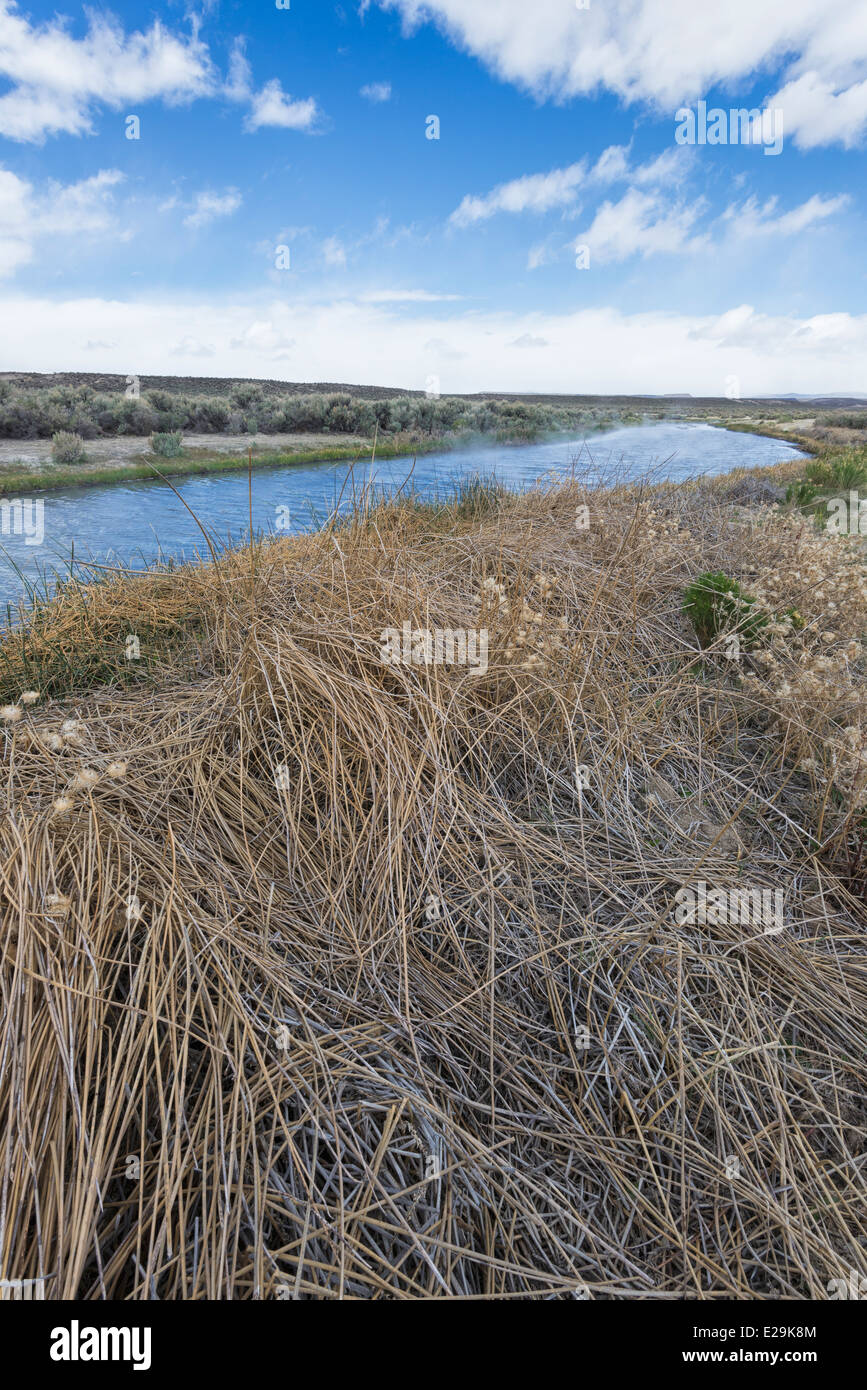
{"x":294,"y":1004}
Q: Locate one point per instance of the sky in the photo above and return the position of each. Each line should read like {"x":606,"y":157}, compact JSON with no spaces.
{"x":453,"y":195}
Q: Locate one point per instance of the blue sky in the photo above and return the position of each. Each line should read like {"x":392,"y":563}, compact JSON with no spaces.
{"x":455,"y":258}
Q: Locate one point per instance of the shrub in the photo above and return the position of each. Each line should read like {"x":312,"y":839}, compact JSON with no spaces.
{"x":245,"y":394}
{"x":801,"y":494}
{"x":168,"y":446}
{"x":208,"y":415}
{"x":819,"y":474}
{"x":849,"y":472}
{"x":715,"y":603}
{"x":67,"y":447}
{"x":842,"y":420}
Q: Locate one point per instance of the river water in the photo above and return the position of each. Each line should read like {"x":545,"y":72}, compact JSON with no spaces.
{"x":138,"y":523}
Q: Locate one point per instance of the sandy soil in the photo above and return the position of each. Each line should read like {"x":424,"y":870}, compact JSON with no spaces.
{"x":36,"y":453}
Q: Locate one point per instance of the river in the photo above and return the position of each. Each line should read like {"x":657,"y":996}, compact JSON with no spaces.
{"x":137,"y":523}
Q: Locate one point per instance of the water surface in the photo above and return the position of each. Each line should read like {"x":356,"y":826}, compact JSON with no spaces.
{"x":137,"y":523}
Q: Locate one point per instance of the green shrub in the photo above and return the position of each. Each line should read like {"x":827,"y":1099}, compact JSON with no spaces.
{"x":801,"y":494}
{"x":477,"y":497}
{"x":819,"y":474}
{"x":715,"y":603}
{"x":67,"y":447}
{"x":849,"y":472}
{"x":168,"y":446}
{"x":246,"y":393}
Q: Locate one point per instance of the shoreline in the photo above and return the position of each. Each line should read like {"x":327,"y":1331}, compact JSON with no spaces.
{"x":190,"y":466}
{"x":197,"y":465}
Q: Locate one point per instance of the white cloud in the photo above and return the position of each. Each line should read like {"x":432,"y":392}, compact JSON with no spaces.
{"x":751,"y":220}
{"x":591,"y":350}
{"x":819,"y":111}
{"x":531,"y":193}
{"x":442,"y":350}
{"x":334,"y":253}
{"x":58,"y":210}
{"x":86,"y":206}
{"x":239,"y":84}
{"x":545,"y":252}
{"x":527,"y":340}
{"x":208,"y":206}
{"x":13,"y":254}
{"x":641,"y":223}
{"x":666,"y":52}
{"x":263,"y":337}
{"x":58,"y":81}
{"x":376,"y":91}
{"x":190,"y":347}
{"x":274,"y":107}
{"x":539,"y":193}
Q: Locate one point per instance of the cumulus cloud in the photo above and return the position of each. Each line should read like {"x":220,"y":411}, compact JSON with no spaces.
{"x":644,"y":224}
{"x":274,"y":107}
{"x":59,"y":82}
{"x":667,"y":52}
{"x":208,"y":206}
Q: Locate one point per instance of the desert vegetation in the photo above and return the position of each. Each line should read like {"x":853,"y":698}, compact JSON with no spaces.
{"x":327,"y":978}
{"x":33,"y":413}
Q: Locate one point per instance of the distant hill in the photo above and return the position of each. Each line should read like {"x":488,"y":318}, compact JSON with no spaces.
{"x":223,"y":386}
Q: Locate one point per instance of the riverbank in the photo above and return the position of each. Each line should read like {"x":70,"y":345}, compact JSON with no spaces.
{"x":198,"y":459}
{"x":140,"y":521}
{"x":409,"y":949}
{"x":36,"y":473}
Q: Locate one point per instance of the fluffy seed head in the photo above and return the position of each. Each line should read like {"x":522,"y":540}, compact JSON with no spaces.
{"x":85,"y":779}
